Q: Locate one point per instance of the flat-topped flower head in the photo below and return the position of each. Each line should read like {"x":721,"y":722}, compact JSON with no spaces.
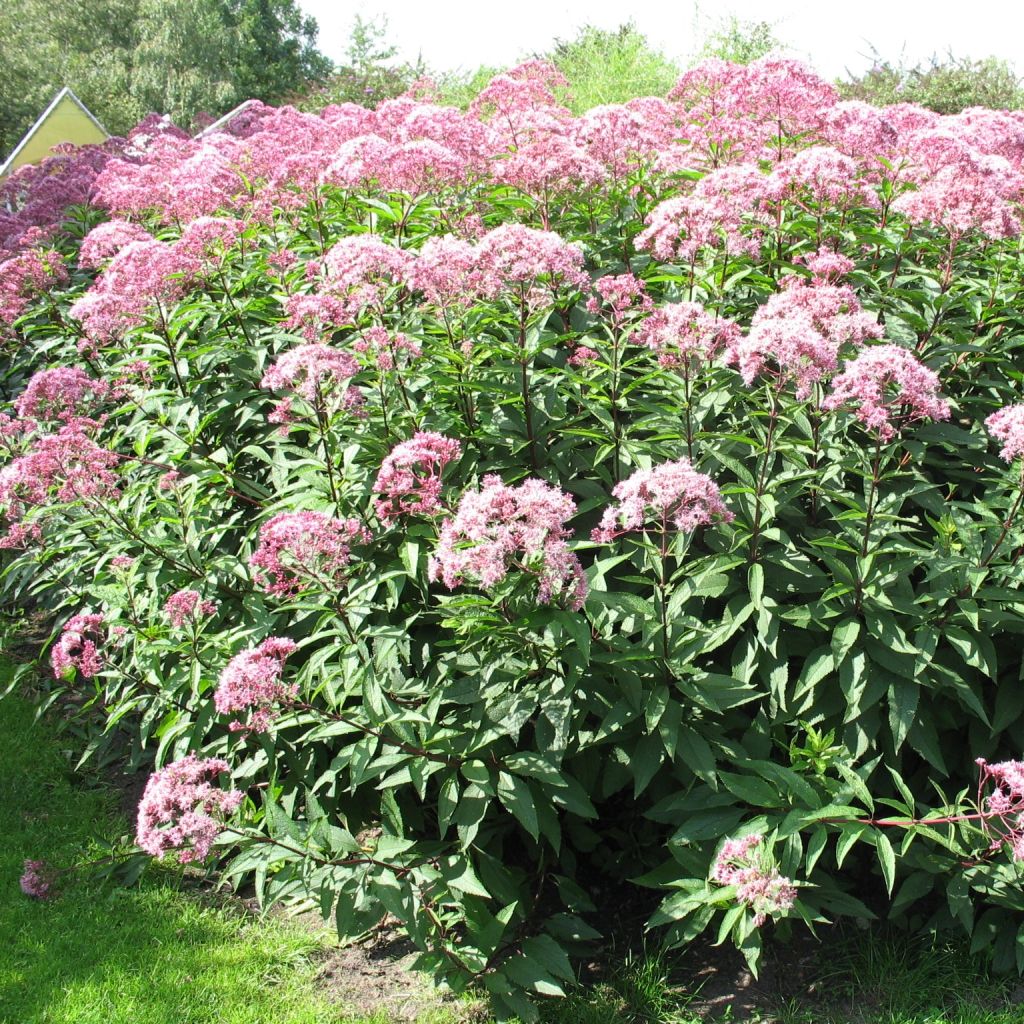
{"x":300,"y":550}
{"x":409,"y":480}
{"x":182,"y":809}
{"x":797,"y":335}
{"x":317,"y":373}
{"x":1007,"y":425}
{"x":37,"y":879}
{"x":673,"y":492}
{"x":885,"y":387}
{"x":745,"y":864}
{"x":251,"y":682}
{"x":78,"y":647}
{"x":1001,"y":801}
{"x":499,"y":528}
{"x":60,"y":394}
{"x":684,"y":335}
{"x":619,"y":296}
{"x":187,"y":606}
{"x":514,"y":255}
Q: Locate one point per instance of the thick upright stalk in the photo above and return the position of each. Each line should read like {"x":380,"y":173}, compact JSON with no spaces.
{"x":762,"y":476}
{"x":869,"y":519}
{"x":524,"y":380}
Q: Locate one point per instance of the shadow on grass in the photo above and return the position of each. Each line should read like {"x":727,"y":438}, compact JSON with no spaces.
{"x":151,"y":955}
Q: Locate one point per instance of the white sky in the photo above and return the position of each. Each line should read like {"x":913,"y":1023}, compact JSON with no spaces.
{"x":832,"y":36}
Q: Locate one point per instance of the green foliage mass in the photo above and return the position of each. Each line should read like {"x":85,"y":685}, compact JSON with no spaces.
{"x":127,"y":58}
{"x":611,"y":66}
{"x":946,"y":85}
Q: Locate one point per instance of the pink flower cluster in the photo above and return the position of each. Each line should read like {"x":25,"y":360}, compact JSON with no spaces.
{"x":1007,"y":425}
{"x":302,"y":549}
{"x":251,"y":682}
{"x":37,"y":879}
{"x":107,"y":240}
{"x":672,"y":492}
{"x":886,"y":386}
{"x":180,"y":807}
{"x":62,"y":393}
{"x":1002,"y":806}
{"x":77,"y":647}
{"x":67,"y":466}
{"x":187,"y":606}
{"x":26,"y":275}
{"x":410,"y":476}
{"x":385,"y":348}
{"x":758,"y":884}
{"x":797,"y":335}
{"x":499,"y":528}
{"x":685,"y":336}
{"x":318,"y":374}
{"x":622,"y":295}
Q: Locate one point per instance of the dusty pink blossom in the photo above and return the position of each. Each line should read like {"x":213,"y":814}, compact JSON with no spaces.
{"x":77,"y":647}
{"x":181,"y":808}
{"x":318,"y":374}
{"x":685,"y":335}
{"x":187,"y":606}
{"x":620,"y":295}
{"x":886,"y":386}
{"x":1007,"y":425}
{"x":672,"y":492}
{"x":409,"y":480}
{"x":25,"y":276}
{"x":107,"y":240}
{"x":513,"y":255}
{"x":61,"y":393}
{"x":386,"y":348}
{"x":37,"y":879}
{"x":299,"y":549}
{"x":251,"y":682}
{"x":501,"y":527}
{"x":742,"y":863}
{"x":797,"y":335}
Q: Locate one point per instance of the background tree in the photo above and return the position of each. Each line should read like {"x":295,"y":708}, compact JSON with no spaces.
{"x":611,"y":66}
{"x":125,"y":58}
{"x":370,"y":74}
{"x":946,"y":85}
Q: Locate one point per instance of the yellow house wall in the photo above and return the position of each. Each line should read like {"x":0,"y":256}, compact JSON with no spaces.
{"x":66,"y":123}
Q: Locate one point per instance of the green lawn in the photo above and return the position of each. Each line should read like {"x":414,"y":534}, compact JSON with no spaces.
{"x":102,"y":955}
{"x":160,"y":955}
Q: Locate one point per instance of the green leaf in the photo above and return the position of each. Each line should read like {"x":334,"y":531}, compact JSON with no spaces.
{"x":887,"y":859}
{"x":515,"y":795}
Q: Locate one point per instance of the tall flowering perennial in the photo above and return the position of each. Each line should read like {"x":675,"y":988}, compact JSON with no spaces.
{"x":182,"y":809}
{"x":499,"y":528}
{"x":26,"y":275}
{"x":619,"y":295}
{"x":743,"y":863}
{"x":885,"y":387}
{"x":409,"y":480}
{"x":77,"y":648}
{"x":106,"y":240}
{"x":684,"y":335}
{"x":302,"y":549}
{"x":672,"y":492}
{"x":1007,"y":425}
{"x":251,"y":682}
{"x":187,"y":606}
